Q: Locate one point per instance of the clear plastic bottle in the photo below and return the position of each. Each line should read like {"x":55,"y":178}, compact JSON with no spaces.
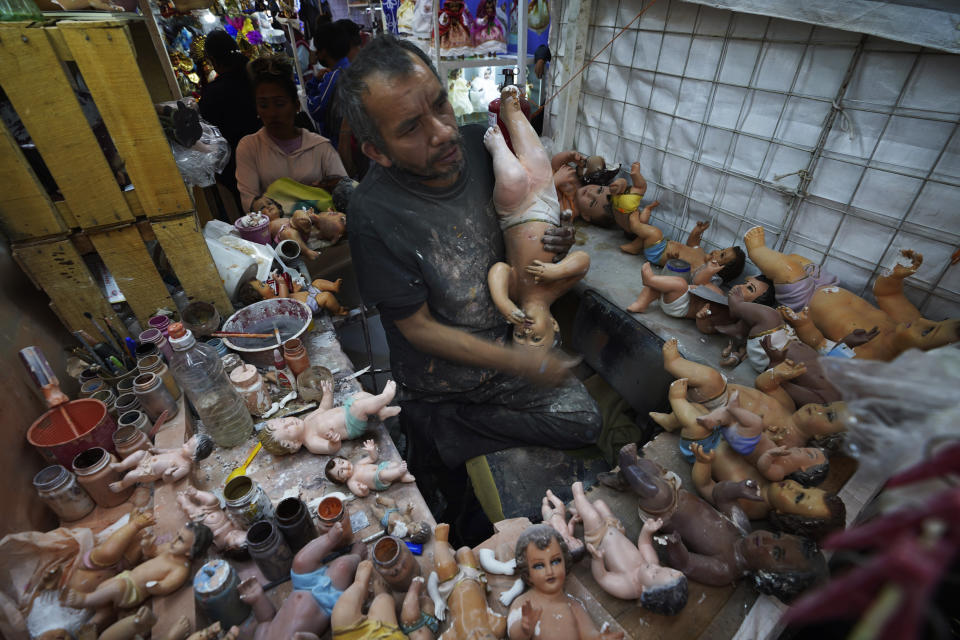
{"x":199,"y":371}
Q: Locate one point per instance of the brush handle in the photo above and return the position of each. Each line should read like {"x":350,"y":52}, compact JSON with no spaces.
{"x":239,"y":334}
{"x":86,"y":345}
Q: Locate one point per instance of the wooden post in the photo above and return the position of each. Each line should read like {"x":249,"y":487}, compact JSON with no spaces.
{"x":573,"y":57}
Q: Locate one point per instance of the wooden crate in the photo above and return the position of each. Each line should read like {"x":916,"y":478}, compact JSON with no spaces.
{"x":95,"y":214}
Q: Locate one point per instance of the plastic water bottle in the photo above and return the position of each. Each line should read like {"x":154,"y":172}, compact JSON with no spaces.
{"x":199,"y":371}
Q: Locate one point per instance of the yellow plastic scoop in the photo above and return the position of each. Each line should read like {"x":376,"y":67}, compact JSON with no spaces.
{"x":242,"y":469}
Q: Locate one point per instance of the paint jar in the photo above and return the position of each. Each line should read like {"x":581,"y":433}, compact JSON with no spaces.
{"x":108,"y":398}
{"x":254,"y":227}
{"x":249,"y":384}
{"x":145,"y":350}
{"x":230,"y":362}
{"x":295,"y":356}
{"x":155,"y":364}
{"x":90,"y":387}
{"x":215,"y":589}
{"x":58,"y":489}
{"x":218,"y":346}
{"x":128,"y":439}
{"x":331,"y":511}
{"x":394,"y":561}
{"x":269,"y":551}
{"x":158,"y":338}
{"x":677,"y":267}
{"x":128,"y":402}
{"x":88,"y":374}
{"x":154,"y":397}
{"x":94,"y":474}
{"x":125,"y":385}
{"x":247,"y":502}
{"x":160,"y":323}
{"x":136,"y":419}
{"x":202,"y":318}
{"x":294,"y":523}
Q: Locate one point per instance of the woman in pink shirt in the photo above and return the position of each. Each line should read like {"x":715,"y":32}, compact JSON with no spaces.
{"x":280,"y":149}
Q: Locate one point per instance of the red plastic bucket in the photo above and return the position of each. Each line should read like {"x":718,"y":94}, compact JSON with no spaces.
{"x":57,"y":442}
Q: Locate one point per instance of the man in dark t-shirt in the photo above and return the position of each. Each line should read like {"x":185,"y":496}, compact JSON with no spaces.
{"x":423,"y":234}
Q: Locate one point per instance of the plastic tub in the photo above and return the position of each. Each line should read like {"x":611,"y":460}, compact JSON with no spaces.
{"x":290,"y":316}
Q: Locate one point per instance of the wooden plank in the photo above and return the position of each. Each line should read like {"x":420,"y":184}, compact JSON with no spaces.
{"x":34,"y":79}
{"x":26,"y":210}
{"x":127,"y":109}
{"x":187,"y":252}
{"x":68,"y":218}
{"x":150,"y":63}
{"x":58,"y":269}
{"x":125,"y":255}
{"x":160,"y":48}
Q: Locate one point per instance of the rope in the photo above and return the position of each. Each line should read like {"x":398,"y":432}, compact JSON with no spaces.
{"x":846,"y":124}
{"x":591,"y":60}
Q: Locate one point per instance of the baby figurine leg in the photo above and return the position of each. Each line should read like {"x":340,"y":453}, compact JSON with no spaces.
{"x":328,"y":301}
{"x":367,"y":406}
{"x":530,"y":152}
{"x":349,"y":608}
{"x":888,"y":289}
{"x":395,"y":472}
{"x":670,"y":287}
{"x":416,"y":613}
{"x":511,"y":190}
{"x":589,"y":514}
{"x":779,"y":267}
{"x":647,"y":234}
{"x":114,"y":548}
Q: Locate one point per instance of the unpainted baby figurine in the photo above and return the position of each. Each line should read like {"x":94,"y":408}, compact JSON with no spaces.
{"x":169,"y":465}
{"x":323,"y":430}
{"x":304,"y":221}
{"x":524,"y":287}
{"x":204,"y":507}
{"x":161,"y":575}
{"x":367,"y":473}
{"x":457,"y":583}
{"x":399,"y":522}
{"x":623,"y":569}
{"x":348,"y":620}
{"x":554,"y":513}
{"x":546,"y":610}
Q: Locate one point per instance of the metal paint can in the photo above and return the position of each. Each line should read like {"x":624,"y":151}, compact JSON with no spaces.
{"x":247,"y":502}
{"x":215,"y":589}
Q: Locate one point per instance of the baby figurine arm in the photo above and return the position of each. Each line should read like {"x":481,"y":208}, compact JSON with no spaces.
{"x":645,"y":541}
{"x":564,"y":158}
{"x":639,"y":185}
{"x":370,"y":451}
{"x":358,"y":488}
{"x":693,"y":240}
{"x":702,"y":472}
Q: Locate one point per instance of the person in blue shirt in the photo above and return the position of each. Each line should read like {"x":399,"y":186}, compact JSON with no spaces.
{"x":332,"y":43}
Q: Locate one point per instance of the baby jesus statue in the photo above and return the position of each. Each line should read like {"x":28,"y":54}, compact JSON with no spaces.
{"x":367,"y":473}
{"x":526,"y":202}
{"x":322,"y":431}
{"x":303,"y":223}
{"x":170,"y":465}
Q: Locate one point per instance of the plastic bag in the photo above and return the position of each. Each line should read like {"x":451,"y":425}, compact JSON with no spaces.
{"x":896,"y":408}
{"x":200,"y":164}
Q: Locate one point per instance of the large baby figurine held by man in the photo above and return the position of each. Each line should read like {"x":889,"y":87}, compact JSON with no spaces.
{"x":526,"y":203}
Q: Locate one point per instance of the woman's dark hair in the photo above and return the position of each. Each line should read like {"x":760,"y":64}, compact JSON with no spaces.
{"x":273,"y":69}
{"x":734,"y":268}
{"x":351,"y":30}
{"x":222,"y":50}
{"x":385,"y":55}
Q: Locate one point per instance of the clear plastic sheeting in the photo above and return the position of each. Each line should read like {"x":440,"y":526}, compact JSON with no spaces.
{"x":898,"y":408}
{"x":200,"y":164}
{"x":845,"y":147}
{"x":922,"y":22}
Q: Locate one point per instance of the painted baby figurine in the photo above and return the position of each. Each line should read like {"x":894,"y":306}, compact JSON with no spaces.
{"x":161,"y":575}
{"x":304,"y":221}
{"x":399,"y":522}
{"x":204,"y":507}
{"x":169,"y":465}
{"x":367,"y":473}
{"x":380,"y":621}
{"x":323,"y":430}
{"x":457,"y":584}
{"x":623,"y":569}
{"x":546,"y":610}
{"x":526,"y":202}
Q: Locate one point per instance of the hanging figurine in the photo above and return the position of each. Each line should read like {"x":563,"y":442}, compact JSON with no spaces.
{"x":406,"y":13}
{"x":455,"y":24}
{"x":489,"y":35}
{"x":538,"y":15}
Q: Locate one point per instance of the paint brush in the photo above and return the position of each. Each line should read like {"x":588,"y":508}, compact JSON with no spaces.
{"x":86,"y":345}
{"x":117,"y":340}
{"x":276,"y":332}
{"x":106,"y":338}
{"x":239,"y":334}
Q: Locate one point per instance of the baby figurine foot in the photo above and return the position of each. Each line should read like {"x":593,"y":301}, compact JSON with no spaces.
{"x":493,"y":140}
{"x":755,"y":237}
{"x":510,"y":98}
{"x":646,"y":273}
{"x":671,"y":351}
{"x":904,"y":271}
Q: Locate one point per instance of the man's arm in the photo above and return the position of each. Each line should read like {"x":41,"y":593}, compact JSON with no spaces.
{"x":428,"y":335}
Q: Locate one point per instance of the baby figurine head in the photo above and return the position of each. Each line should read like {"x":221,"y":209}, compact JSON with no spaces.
{"x":732,"y":259}
{"x":595,"y":171}
{"x":267,"y":206}
{"x":542,"y":558}
{"x":593,"y":202}
{"x":331,"y":225}
{"x":665,"y":590}
{"x":199,"y":447}
{"x":540,"y":331}
{"x":282,"y":436}
{"x":338,"y":470}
